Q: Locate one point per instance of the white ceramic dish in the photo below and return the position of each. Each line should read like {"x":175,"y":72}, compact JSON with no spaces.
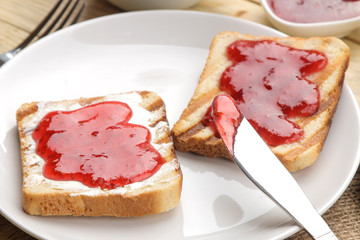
{"x":137,"y":51}
{"x":134,"y":5}
{"x":339,"y":28}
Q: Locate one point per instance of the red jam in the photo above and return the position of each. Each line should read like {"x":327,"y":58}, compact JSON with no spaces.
{"x":311,"y":11}
{"x":268,"y":82}
{"x":227,"y":118}
{"x":96,"y":146}
{"x":208,"y":120}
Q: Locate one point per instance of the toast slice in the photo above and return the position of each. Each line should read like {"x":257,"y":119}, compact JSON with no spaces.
{"x":158,"y":193}
{"x":191,"y":135}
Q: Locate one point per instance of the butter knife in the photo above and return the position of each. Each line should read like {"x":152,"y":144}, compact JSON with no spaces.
{"x":264,"y":169}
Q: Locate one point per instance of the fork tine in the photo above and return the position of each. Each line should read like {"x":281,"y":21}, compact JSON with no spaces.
{"x":39,"y":27}
{"x":64,"y":14}
{"x":73,"y":14}
{"x":78,"y":10}
{"x":65,"y":17}
{"x":50,"y":28}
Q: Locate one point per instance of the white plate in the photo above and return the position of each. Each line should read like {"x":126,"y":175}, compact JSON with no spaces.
{"x":163,"y":51}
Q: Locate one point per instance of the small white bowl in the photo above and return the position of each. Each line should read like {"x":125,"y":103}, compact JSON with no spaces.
{"x":339,"y":28}
{"x":134,"y":5}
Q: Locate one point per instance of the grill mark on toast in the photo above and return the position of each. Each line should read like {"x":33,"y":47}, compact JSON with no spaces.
{"x":201,"y":101}
{"x":153,"y":103}
{"x":317,"y":138}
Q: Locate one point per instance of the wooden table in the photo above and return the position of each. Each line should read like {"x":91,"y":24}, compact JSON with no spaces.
{"x":18,"y":18}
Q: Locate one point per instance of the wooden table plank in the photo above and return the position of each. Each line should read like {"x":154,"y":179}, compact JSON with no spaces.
{"x":17,"y":20}
{"x":10,"y":36}
{"x":98,"y":8}
{"x":355,"y":36}
{"x":24,"y":16}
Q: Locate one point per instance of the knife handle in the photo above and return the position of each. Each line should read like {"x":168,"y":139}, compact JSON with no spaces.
{"x":264,"y":169}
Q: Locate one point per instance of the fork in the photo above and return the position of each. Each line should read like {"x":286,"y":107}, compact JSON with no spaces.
{"x":63,"y":14}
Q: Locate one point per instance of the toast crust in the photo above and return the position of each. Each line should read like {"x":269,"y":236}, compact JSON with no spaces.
{"x":191,"y":136}
{"x":160,"y":194}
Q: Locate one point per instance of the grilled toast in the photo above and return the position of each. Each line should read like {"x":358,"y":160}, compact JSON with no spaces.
{"x":158,"y":193}
{"x":191,"y":135}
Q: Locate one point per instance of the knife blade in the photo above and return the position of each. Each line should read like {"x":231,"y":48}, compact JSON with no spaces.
{"x":265,"y":170}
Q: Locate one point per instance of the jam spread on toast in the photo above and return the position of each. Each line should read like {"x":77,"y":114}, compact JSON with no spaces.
{"x":97,"y":146}
{"x":268,"y":83}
